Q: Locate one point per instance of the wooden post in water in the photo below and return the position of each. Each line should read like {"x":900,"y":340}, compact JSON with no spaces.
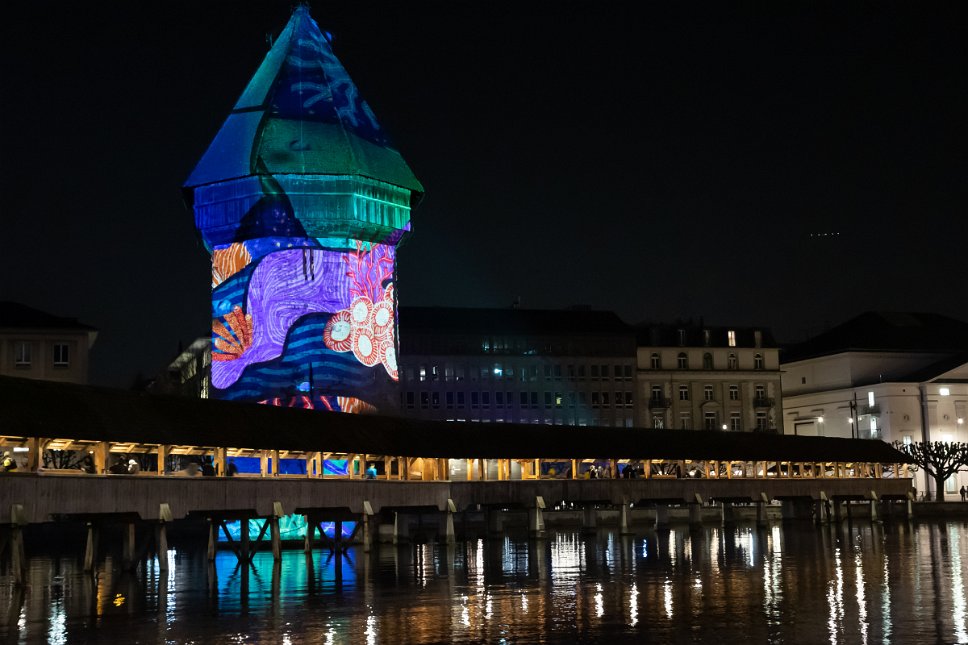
{"x":90,"y":548}
{"x":276,"y":536}
{"x":212,"y":531}
{"x":127,"y":545}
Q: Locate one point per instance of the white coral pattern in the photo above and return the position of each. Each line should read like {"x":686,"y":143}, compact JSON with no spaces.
{"x":370,"y":332}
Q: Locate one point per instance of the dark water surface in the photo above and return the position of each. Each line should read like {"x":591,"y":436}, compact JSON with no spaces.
{"x":860,"y":583}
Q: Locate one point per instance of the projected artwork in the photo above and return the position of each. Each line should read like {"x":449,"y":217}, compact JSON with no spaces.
{"x":291,"y":527}
{"x":301,"y":200}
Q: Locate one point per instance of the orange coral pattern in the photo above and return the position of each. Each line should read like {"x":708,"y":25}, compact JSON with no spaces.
{"x":234,"y":336}
{"x":229,"y":261}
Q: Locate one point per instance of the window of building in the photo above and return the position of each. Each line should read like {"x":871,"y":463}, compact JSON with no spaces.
{"x":547,"y":399}
{"x":656,"y":361}
{"x":547,"y":371}
{"x":617,"y":371}
{"x":595,"y":399}
{"x":460,"y":399}
{"x":682,"y":361}
{"x":709,"y":421}
{"x":594,"y":371}
{"x":485,"y":399}
{"x":410,"y":399}
{"x":685,"y":421}
{"x":605,"y":398}
{"x":435,"y":399}
{"x":707,"y":392}
{"x":735,"y":422}
{"x":628,"y":399}
{"x":761,"y":421}
{"x":449,"y":399}
{"x":557,"y":399}
{"x":21,"y":354}
{"x":581,"y":371}
{"x":604,"y":370}
{"x":448,"y":372}
{"x":498,"y":370}
{"x":523,"y":399}
{"x":423,"y":373}
{"x":475,"y":399}
{"x":434,"y":372}
{"x":499,"y":399}
{"x":683,"y":392}
{"x":582,"y":398}
{"x":682,"y":337}
{"x":734,"y":393}
{"x":424,"y":399}
{"x":459,"y":373}
{"x":656,"y":392}
{"x":627,"y":372}
{"x":571,"y":372}
{"x":508,"y":399}
{"x":557,"y":371}
{"x":758,"y":362}
{"x":534,"y":399}
{"x":707,"y":361}
{"x":731,"y":338}
{"x":706,"y":337}
{"x":658,"y":422}
{"x":759,"y":393}
{"x":731,"y":362}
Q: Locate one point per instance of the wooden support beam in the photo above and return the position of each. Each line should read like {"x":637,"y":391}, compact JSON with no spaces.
{"x":220,"y":462}
{"x":102,"y":452}
{"x":275,"y":463}
{"x":263,"y":463}
{"x":574,"y":469}
{"x":35,"y":453}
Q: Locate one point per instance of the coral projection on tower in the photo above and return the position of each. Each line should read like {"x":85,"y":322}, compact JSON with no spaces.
{"x":301,"y":200}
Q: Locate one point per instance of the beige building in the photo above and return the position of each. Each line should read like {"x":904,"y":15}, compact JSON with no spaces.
{"x":698,"y":377}
{"x":37,"y":345}
{"x":889,"y":376}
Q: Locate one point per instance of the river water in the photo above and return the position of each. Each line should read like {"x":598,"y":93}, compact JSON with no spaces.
{"x":856,"y":583}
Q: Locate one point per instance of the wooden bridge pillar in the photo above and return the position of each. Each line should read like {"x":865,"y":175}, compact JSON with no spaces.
{"x":536,"y":525}
{"x":625,"y":520}
{"x":90,"y":548}
{"x":127,"y":545}
{"x":448,"y":528}
{"x":695,"y":512}
{"x":275,"y":536}
{"x":18,"y":557}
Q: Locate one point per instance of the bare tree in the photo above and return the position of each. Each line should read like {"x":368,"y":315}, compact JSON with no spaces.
{"x":65,"y":459}
{"x":939,"y":459}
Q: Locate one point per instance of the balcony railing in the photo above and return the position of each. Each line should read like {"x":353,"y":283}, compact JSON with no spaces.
{"x":762,"y":402}
{"x":659,"y":403}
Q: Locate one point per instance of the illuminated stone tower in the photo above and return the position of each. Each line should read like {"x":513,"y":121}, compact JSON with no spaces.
{"x":301,"y":200}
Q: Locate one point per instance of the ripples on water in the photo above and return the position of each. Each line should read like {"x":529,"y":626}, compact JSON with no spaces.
{"x":898,"y":583}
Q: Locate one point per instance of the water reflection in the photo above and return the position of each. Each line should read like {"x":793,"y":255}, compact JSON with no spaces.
{"x":865,"y":584}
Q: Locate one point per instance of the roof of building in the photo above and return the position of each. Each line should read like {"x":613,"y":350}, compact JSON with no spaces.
{"x":877,"y":331}
{"x":60,"y":410}
{"x":302,"y":114}
{"x":668,"y":335}
{"x":510,"y":321}
{"x":935,"y":370}
{"x":14,"y":315}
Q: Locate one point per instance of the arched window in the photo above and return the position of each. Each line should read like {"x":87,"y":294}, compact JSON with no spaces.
{"x":656,"y":361}
{"x":731,"y":362}
{"x":707,"y":361}
{"x":682,"y":361}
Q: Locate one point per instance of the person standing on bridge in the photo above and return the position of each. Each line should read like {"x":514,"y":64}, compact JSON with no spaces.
{"x":371,"y":474}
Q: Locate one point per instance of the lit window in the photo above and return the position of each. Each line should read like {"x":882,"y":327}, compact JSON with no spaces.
{"x":62,"y":354}
{"x":658,"y":422}
{"x":557,"y":399}
{"x":943,"y":391}
{"x":870,"y":399}
{"x":731,"y":338}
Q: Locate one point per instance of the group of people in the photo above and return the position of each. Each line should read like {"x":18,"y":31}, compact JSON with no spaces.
{"x":596,"y":472}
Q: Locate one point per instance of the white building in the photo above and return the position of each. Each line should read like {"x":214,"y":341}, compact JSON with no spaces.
{"x":890,"y":376}
{"x":713,"y":378}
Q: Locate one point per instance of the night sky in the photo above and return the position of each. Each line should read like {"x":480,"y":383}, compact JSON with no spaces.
{"x":782,"y":164}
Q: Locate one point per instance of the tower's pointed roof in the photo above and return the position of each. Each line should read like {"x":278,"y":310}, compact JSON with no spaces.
{"x":302,"y":114}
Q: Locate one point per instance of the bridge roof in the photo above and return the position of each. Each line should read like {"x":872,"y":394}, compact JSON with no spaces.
{"x":31,"y":408}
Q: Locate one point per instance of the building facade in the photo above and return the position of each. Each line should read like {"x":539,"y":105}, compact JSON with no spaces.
{"x":691,"y":377}
{"x":37,"y":345}
{"x":568,"y":367}
{"x":301,"y":201}
{"x":889,"y":376}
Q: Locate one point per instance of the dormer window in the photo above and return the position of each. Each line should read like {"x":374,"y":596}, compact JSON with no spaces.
{"x":731,"y":338}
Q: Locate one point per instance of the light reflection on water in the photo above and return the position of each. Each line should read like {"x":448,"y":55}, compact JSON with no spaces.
{"x":792,"y":584}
